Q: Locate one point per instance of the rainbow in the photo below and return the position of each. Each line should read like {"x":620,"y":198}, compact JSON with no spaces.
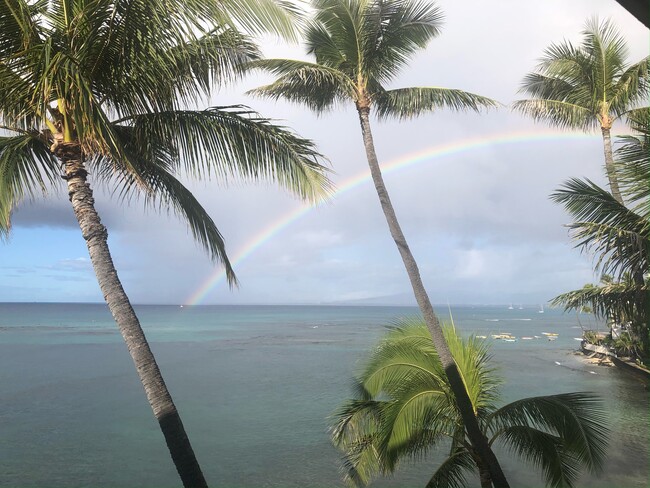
{"x":422,"y":156}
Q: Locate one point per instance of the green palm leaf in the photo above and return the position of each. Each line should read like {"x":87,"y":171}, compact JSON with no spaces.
{"x":318,"y":87}
{"x":577,"y":419}
{"x":545,"y":451}
{"x":26,"y":167}
{"x":560,"y":113}
{"x":452,"y":472}
{"x":609,"y":300}
{"x":149,"y":174}
{"x":391,"y":32}
{"x":406,"y":103}
{"x":618,"y":237}
{"x":234,"y":141}
{"x":633,"y":158}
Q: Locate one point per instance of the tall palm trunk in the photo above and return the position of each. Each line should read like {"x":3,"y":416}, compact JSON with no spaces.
{"x":95,"y":234}
{"x":476,"y":437}
{"x":609,"y":164}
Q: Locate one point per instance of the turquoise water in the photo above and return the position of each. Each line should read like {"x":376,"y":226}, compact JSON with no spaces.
{"x":254,"y":386}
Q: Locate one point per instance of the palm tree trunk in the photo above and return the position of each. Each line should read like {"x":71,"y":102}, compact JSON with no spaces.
{"x":484,"y":476}
{"x":476,"y":437}
{"x":609,"y":165}
{"x":95,"y":234}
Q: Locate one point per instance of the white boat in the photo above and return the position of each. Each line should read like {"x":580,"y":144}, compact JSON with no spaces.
{"x":526,"y":338}
{"x":541,"y":309}
{"x":511,"y":307}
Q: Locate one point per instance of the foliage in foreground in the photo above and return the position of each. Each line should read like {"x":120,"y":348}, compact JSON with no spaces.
{"x":403,"y":408}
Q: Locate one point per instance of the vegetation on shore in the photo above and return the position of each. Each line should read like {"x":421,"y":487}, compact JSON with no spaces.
{"x":618,"y":237}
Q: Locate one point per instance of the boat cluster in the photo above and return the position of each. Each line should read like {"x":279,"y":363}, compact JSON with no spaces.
{"x":508,"y":337}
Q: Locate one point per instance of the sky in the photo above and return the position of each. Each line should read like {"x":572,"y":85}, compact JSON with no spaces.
{"x":471,"y":192}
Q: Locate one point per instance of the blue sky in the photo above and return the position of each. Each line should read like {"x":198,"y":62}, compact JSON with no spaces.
{"x":480,"y":223}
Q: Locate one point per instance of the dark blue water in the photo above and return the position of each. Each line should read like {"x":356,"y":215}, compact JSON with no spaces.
{"x":254,"y":386}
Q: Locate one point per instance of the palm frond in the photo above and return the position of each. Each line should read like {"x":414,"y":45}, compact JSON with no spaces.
{"x":355,"y":432}
{"x":544,"y":450}
{"x":577,"y":421}
{"x":614,"y":300}
{"x":391,"y":32}
{"x":452,"y":472}
{"x":235,"y":142}
{"x":178,"y":76}
{"x":149,"y":174}
{"x":334,"y":35}
{"x":618,"y":237}
{"x":318,"y":87}
{"x":279,"y":17}
{"x":413,"y":421}
{"x":406,"y":103}
{"x":633,"y":163}
{"x":563,"y":114}
{"x":18,"y":29}
{"x":631,"y":88}
{"x":26,"y":167}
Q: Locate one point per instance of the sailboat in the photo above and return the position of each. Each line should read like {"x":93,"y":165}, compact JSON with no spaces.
{"x":510,"y":307}
{"x":541,"y":309}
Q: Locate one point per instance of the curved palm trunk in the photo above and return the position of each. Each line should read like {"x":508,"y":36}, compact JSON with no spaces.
{"x":476,"y":437}
{"x":609,"y":165}
{"x":95,"y":234}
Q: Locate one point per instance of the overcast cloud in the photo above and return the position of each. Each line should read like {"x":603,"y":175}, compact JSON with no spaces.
{"x":480,"y":221}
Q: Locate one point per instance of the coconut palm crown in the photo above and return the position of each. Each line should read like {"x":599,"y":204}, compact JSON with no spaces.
{"x":403,"y":409}
{"x":359,"y":46}
{"x":588,"y":86}
{"x":99,"y":89}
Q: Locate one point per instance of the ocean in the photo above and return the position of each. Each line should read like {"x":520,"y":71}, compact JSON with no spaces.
{"x":255,"y":386}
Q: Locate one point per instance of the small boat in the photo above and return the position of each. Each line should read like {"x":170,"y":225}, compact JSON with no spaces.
{"x":481,"y":337}
{"x":537,"y":337}
{"x":526,"y":338}
{"x":509,"y":340}
{"x":549,"y":334}
{"x":541,"y":309}
{"x":552,"y":338}
{"x":558,"y":363}
{"x":578,"y":339}
{"x":503,"y":335}
{"x":511,"y":307}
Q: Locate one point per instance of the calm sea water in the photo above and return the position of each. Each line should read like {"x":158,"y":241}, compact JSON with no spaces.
{"x":254,"y":386}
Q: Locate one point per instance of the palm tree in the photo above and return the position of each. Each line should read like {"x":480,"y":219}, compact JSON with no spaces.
{"x":403,"y":408}
{"x":618,"y":236}
{"x":588,"y":86}
{"x":98,"y":88}
{"x":359,"y":46}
